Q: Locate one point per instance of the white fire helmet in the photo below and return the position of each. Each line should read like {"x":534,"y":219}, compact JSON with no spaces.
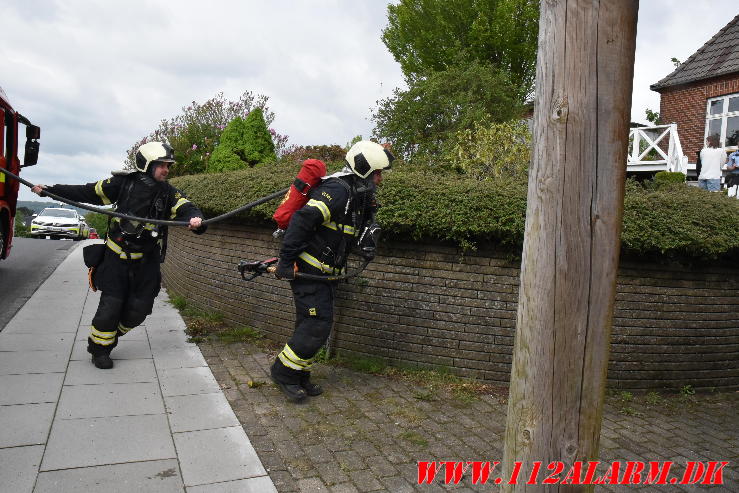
{"x":366,"y":156}
{"x":153,"y":152}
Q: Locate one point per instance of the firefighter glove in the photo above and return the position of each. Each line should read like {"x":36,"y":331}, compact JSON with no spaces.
{"x":285,"y":270}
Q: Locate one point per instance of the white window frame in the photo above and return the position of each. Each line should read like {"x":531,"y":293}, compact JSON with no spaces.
{"x":723,"y":116}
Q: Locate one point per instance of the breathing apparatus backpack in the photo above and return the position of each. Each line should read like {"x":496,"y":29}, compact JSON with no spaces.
{"x":309,"y":176}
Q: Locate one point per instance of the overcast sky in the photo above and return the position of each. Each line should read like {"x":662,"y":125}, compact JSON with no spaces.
{"x":99,"y":76}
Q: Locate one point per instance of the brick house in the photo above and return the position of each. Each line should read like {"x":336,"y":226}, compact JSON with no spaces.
{"x":702,"y":94}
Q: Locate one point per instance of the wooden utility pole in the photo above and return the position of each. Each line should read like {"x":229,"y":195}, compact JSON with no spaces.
{"x":571,"y":248}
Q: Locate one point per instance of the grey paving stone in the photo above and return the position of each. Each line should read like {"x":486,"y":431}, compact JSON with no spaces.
{"x":21,"y":362}
{"x":64,"y":320}
{"x":261,"y":484}
{"x":214,"y":456}
{"x":101,"y":441}
{"x":98,"y":401}
{"x":35,"y":342}
{"x":187,"y":381}
{"x":199,"y":412}
{"x":131,"y":349}
{"x":30,"y":388}
{"x":162,"y":340}
{"x":18,"y":468}
{"x":344,"y":488}
{"x":160,"y":476}
{"x":124,"y":371}
{"x":25,"y":424}
{"x":310,"y":485}
{"x":170,"y":358}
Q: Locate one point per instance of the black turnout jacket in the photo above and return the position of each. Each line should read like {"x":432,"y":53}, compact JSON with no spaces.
{"x":321,"y":234}
{"x":139,"y":195}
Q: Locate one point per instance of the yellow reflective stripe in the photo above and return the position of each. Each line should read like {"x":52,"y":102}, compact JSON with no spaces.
{"x":292,"y":360}
{"x":2,"y":177}
{"x":177,"y":206}
{"x":123,"y":328}
{"x":343,"y":227}
{"x":102,"y":335}
{"x":285,"y":361}
{"x":100,"y":193}
{"x":287,"y":351}
{"x":102,"y":342}
{"x":117,"y":249}
{"x":310,"y":259}
{"x":102,"y":338}
{"x":321,"y":207}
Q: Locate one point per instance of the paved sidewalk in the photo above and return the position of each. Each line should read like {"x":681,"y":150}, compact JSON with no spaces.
{"x":157,"y":422}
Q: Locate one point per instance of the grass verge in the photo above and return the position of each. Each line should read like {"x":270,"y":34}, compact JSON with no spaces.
{"x":203,"y":325}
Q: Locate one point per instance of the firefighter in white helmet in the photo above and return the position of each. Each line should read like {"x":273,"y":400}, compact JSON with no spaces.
{"x":317,"y":241}
{"x":127,"y":267}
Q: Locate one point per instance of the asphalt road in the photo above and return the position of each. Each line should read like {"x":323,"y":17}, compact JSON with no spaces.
{"x":31,"y":261}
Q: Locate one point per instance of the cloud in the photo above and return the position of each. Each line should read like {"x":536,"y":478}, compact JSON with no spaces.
{"x":98,"y":76}
{"x":667,"y":29}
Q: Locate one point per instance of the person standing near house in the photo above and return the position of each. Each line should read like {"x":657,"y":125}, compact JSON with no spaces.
{"x":317,"y":241}
{"x":732,"y":179}
{"x":128,"y":272}
{"x":713,"y":158}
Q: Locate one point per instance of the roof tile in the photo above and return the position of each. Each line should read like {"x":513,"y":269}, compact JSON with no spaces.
{"x":719,"y":56}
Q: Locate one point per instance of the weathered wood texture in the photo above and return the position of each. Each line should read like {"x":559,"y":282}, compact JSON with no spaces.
{"x":427,"y":304}
{"x":570,"y":256}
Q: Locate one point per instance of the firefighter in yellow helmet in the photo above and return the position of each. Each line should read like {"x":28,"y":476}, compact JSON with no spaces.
{"x":317,"y":241}
{"x":128,"y":272}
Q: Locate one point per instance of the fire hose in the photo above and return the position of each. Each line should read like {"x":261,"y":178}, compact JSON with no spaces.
{"x":257,"y":268}
{"x":161,"y":222}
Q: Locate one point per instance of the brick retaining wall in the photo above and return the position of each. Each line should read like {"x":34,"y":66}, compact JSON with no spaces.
{"x":427,"y":305}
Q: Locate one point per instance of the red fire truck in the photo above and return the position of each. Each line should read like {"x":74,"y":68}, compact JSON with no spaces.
{"x":9,"y":120}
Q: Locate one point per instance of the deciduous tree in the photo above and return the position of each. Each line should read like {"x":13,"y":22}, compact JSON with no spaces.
{"x":427,"y":36}
{"x":422,"y":120}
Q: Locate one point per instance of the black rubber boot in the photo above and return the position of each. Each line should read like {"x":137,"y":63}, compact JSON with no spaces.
{"x":294,"y":392}
{"x":312,"y":389}
{"x":102,"y":361}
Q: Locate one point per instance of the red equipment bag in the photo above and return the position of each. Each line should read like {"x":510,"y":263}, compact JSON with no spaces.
{"x":309,"y":176}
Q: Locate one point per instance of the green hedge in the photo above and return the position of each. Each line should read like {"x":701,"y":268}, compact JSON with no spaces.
{"x":679,"y":220}
{"x":675,"y":220}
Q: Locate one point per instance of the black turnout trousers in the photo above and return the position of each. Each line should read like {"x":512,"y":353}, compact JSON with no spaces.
{"x":314,"y":316}
{"x":128,"y":289}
